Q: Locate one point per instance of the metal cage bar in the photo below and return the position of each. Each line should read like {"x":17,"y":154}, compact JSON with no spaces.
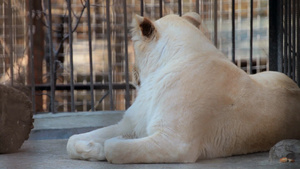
{"x":216,"y":23}
{"x":52,"y":65}
{"x":285,"y":37}
{"x":127,"y":96}
{"x":110,"y":78}
{"x":142,"y":7}
{"x":233,"y":30}
{"x":100,"y":86}
{"x":289,"y":38}
{"x":71,"y":55}
{"x":11,"y":46}
{"x":160,"y":8}
{"x":197,"y":6}
{"x":298,"y":43}
{"x":294,"y":41}
{"x":280,"y":34}
{"x":251,"y":37}
{"x":275,"y":50}
{"x":90,"y":55}
{"x":180,"y":7}
{"x":32,"y":79}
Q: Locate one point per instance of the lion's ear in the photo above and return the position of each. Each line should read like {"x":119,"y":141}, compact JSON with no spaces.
{"x":145,"y":25}
{"x":193,"y":17}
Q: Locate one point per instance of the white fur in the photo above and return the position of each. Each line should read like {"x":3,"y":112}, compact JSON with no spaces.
{"x":193,"y":103}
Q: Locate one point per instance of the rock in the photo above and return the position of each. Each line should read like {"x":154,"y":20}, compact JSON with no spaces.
{"x":286,"y":148}
{"x":16,"y":119}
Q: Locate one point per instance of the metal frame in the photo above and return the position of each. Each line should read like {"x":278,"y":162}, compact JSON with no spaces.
{"x":284,"y":37}
{"x":276,"y":49}
{"x":91,"y":86}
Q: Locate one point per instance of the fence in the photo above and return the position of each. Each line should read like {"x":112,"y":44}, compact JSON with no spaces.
{"x":79,"y":53}
{"x":285,"y":37}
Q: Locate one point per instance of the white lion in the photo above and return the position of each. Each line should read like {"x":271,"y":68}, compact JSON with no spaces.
{"x":193,"y":103}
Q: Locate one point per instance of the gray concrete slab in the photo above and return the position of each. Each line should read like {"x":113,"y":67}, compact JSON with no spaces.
{"x":63,"y":125}
{"x":51,"y":154}
{"x":69,"y":120}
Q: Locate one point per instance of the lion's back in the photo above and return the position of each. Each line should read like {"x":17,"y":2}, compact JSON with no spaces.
{"x":272,"y":79}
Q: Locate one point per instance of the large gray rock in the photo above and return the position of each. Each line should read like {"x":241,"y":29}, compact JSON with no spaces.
{"x":16,"y":119}
{"x":286,"y":148}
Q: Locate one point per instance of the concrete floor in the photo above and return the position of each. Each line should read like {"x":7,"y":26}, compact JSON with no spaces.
{"x":51,"y":154}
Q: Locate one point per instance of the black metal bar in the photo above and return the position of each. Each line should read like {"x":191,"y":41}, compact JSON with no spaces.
{"x":52,"y":65}
{"x":98,"y":86}
{"x":274,"y":39}
{"x":290,"y":39}
{"x":294,"y":40}
{"x":11,"y":45}
{"x":160,"y":8}
{"x":71,"y":55}
{"x":197,"y":6}
{"x":179,"y":7}
{"x":298,"y":43}
{"x":285,"y":37}
{"x":142,"y":7}
{"x":280,"y":35}
{"x":91,"y":55}
{"x":32,"y":79}
{"x":233,"y":30}
{"x":251,"y":35}
{"x":127,"y":94}
{"x":109,"y":55}
{"x":216,"y":23}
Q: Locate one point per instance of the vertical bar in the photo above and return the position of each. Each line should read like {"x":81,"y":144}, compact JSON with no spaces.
{"x":280,"y":35}
{"x":294,"y":40}
{"x":285,"y":37}
{"x":233,"y":30}
{"x":71,"y":56}
{"x":52,"y":69}
{"x":11,"y":45}
{"x":2,"y":11}
{"x":216,"y":22}
{"x":197,"y":7}
{"x":251,"y":35}
{"x":160,"y":8}
{"x":109,"y":55}
{"x":127,"y":96}
{"x":290,"y":38}
{"x":91,"y":55}
{"x":275,"y":36}
{"x":298,"y":43}
{"x":179,"y":7}
{"x":31,"y":57}
{"x":142,"y":7}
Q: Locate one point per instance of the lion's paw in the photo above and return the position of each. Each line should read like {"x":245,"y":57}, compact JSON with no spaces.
{"x":83,"y":149}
